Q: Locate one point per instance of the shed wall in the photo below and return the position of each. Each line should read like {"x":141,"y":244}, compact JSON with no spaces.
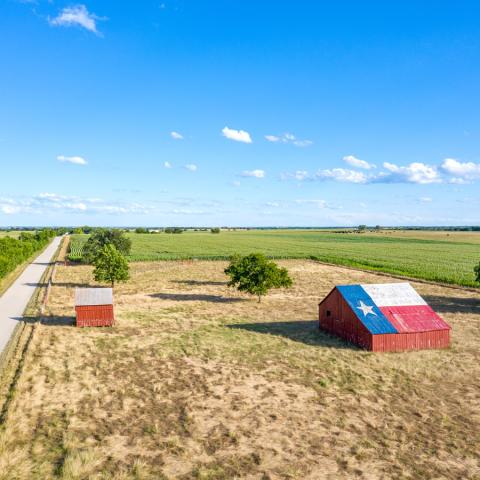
{"x":95,"y":316}
{"x":398,"y":342}
{"x":342,"y":321}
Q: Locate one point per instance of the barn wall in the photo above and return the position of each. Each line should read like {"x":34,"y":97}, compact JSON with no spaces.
{"x":411,"y":341}
{"x":342,"y":321}
{"x":95,"y":316}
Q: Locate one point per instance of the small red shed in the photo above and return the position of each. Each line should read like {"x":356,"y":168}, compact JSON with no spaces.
{"x":384,"y":317}
{"x":94,"y":307}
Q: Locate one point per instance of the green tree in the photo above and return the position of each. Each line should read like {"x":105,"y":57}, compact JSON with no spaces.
{"x":101,"y":237}
{"x":215,"y":230}
{"x":256,"y":275}
{"x":477,"y":272}
{"x":362,"y":228}
{"x":174,"y":230}
{"x":110,"y":265}
{"x":141,"y":230}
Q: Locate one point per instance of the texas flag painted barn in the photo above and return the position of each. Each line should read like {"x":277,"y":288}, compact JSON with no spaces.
{"x":383,"y":317}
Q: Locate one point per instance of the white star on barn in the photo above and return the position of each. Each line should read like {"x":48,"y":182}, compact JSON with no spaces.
{"x":366,"y":309}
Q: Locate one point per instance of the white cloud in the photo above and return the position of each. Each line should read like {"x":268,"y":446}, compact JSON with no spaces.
{"x":237,"y":135}
{"x":192,"y":167}
{"x":236,"y":183}
{"x":425,"y":199}
{"x":297,"y":175}
{"x":253,"y":173}
{"x":356,"y":162}
{"x":52,"y":203}
{"x":9,"y":209}
{"x":458,"y":181}
{"x":302,"y":143}
{"x":461,"y":170}
{"x":414,"y":173}
{"x":342,"y":175}
{"x":176,"y":135}
{"x":75,"y":160}
{"x":77,"y":15}
{"x":288,"y":138}
{"x":316,"y":203}
{"x":185,"y":211}
{"x":273,"y":204}
{"x":167,"y":164}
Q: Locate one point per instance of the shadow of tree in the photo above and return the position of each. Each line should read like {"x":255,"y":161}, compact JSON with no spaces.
{"x":443,"y":304}
{"x":62,"y":284}
{"x":199,"y":282}
{"x":304,"y":331}
{"x":194,"y":297}
{"x":52,"y":321}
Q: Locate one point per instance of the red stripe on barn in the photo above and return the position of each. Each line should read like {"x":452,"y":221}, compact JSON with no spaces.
{"x":414,"y":318}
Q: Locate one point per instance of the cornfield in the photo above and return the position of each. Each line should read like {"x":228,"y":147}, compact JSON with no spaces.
{"x":436,"y":257}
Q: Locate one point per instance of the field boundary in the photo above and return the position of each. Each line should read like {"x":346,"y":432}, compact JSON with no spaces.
{"x":13,"y":356}
{"x":399,"y":277}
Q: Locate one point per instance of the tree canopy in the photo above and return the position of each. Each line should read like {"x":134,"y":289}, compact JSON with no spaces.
{"x":256,"y":275}
{"x":15,"y":251}
{"x":477,"y":272}
{"x":110,"y":265}
{"x":101,"y":237}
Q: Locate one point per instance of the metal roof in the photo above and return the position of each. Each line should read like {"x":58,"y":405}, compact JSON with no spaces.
{"x":93,"y":296}
{"x":391,"y":308}
{"x":366,"y":310}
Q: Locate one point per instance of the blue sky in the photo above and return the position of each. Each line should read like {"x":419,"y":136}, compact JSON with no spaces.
{"x":281,"y":113}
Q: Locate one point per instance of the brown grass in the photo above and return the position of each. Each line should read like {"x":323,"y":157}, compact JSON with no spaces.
{"x":197,"y":381}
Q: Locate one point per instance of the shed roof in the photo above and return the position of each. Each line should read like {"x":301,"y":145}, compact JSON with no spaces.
{"x":391,"y":308}
{"x":93,"y":296}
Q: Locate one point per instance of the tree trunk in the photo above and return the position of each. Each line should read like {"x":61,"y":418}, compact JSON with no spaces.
{"x":259,"y":298}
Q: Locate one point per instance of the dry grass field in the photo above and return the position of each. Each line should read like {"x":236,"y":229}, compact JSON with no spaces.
{"x":198,"y":382}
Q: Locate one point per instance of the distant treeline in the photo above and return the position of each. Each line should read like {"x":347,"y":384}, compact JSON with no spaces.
{"x":15,"y":251}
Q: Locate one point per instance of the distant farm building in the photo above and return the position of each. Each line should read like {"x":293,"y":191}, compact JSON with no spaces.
{"x":383,"y":318}
{"x":94,"y":307}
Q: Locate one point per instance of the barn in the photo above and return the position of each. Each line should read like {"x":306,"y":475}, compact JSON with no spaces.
{"x":384,"y":317}
{"x":94,"y":307}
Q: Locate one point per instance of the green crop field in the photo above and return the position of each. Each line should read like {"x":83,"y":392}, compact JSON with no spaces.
{"x":7,"y":233}
{"x":438,"y":256}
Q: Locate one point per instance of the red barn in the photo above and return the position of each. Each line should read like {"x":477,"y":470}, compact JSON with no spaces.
{"x":94,"y":307}
{"x":383,"y":318}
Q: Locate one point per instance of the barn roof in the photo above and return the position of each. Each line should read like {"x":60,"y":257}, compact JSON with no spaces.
{"x":391,"y":308}
{"x":93,"y":296}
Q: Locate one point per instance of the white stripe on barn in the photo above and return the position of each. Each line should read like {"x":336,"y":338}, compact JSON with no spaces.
{"x":393,"y":294}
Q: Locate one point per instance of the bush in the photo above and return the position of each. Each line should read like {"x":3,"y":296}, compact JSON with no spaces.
{"x":477,"y":272}
{"x":215,"y":230}
{"x":101,"y":237}
{"x":256,"y":275}
{"x":141,"y":230}
{"x":174,"y":230}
